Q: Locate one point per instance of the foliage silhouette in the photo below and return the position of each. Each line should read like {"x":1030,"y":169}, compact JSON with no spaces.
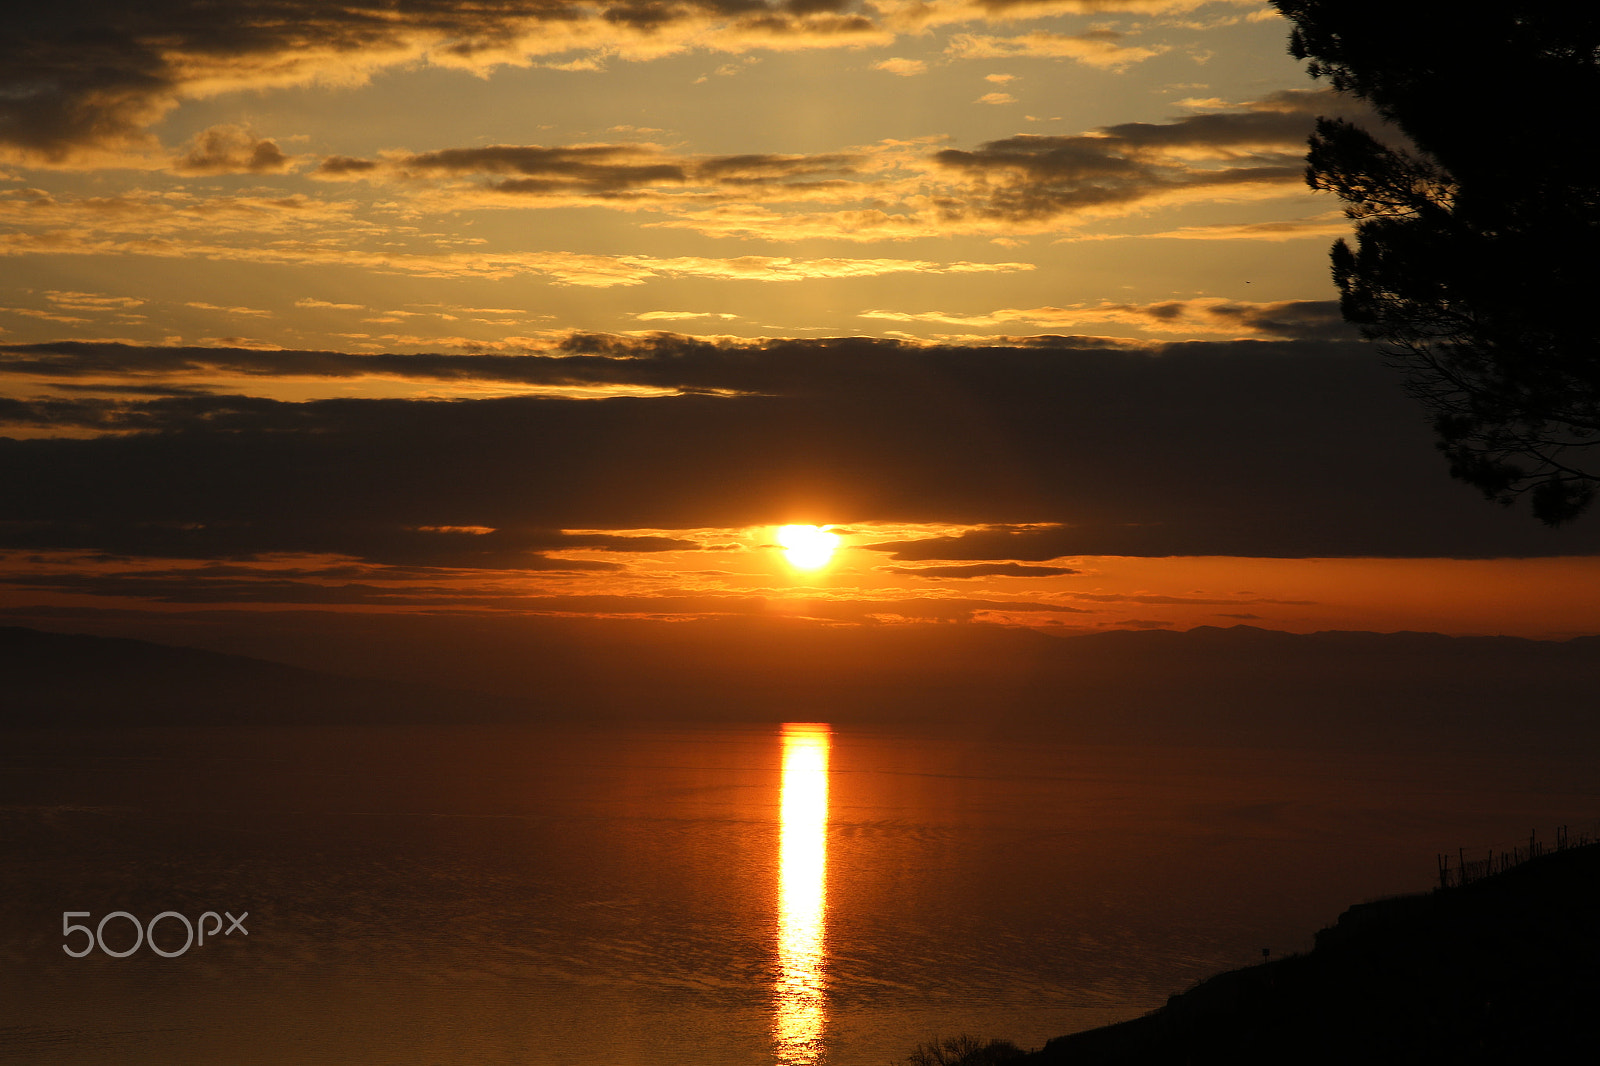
{"x":963,"y":1050}
{"x":1475,"y":264}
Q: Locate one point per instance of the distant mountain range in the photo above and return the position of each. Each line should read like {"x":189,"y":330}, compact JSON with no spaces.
{"x":71,"y":680}
{"x":1234,"y":686}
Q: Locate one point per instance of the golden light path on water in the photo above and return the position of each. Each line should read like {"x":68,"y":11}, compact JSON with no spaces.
{"x":800,"y":1010}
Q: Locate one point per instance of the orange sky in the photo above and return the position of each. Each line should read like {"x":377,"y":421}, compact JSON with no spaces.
{"x":561,"y":309}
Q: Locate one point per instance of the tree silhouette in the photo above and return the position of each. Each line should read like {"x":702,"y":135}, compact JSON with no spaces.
{"x":1478,"y":230}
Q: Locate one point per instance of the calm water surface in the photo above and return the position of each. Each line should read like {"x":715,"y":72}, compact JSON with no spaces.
{"x":675,"y":896}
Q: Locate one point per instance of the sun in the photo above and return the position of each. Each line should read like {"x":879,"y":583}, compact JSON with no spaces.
{"x":807,"y":547}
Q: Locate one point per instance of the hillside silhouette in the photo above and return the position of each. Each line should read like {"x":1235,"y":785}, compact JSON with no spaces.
{"x":1499,"y":970}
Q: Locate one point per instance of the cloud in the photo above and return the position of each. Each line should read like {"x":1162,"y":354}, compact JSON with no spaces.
{"x":976,"y":570}
{"x":1330,"y":224}
{"x":313,"y":231}
{"x":48,"y":316}
{"x":1263,"y":448}
{"x":313,"y":302}
{"x":1035,"y":542}
{"x":229,"y":149}
{"x":66,"y":93}
{"x":71,"y":308}
{"x":915,"y":16}
{"x":1043,"y":184}
{"x":1033,"y":178}
{"x":335,"y":167}
{"x":1097,"y":48}
{"x":37,"y":220}
{"x":71,"y":97}
{"x":600,"y":168}
{"x":886,"y":191}
{"x":904,"y":67}
{"x":1284,"y":318}
{"x":997,"y":98}
{"x":93,"y":302}
{"x":614,"y":174}
{"x":373,"y":543}
{"x":1307,"y":319}
{"x":248,"y":311}
{"x":464,"y":589}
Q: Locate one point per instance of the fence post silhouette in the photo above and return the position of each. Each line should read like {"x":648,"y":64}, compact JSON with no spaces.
{"x":1465,"y":872}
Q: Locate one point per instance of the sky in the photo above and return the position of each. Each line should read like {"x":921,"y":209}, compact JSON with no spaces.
{"x":538,"y":308}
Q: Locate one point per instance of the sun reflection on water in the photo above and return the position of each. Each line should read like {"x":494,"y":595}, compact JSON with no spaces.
{"x":800,"y":1010}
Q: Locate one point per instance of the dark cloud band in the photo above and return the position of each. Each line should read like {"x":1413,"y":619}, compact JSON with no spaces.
{"x":1243,"y":448}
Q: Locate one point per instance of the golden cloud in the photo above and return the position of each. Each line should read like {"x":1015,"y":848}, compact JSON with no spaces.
{"x":1097,"y":48}
{"x":1303,"y":319}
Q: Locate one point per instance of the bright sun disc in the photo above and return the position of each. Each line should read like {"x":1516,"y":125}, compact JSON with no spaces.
{"x":807,"y":547}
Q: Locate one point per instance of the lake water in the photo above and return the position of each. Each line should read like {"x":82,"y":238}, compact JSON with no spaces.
{"x":683,"y":896}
